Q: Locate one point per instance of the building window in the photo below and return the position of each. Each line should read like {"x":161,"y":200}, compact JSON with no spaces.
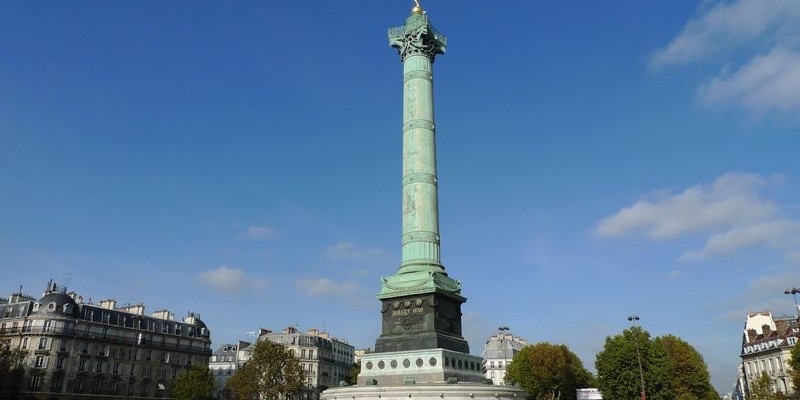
{"x":780,"y":364}
{"x":36,"y":382}
{"x":43,"y":344}
{"x":40,"y":362}
{"x":56,"y":382}
{"x":99,"y":366}
{"x":24,"y":345}
{"x":311,"y":354}
{"x":82,"y":365}
{"x":35,"y":307}
{"x":48,"y":326}
{"x":78,"y":385}
{"x":303,"y":353}
{"x":60,"y":363}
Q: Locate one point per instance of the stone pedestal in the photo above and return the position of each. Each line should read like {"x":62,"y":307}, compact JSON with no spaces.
{"x":420,"y":366}
{"x":431,"y":391}
{"x":423,"y":321}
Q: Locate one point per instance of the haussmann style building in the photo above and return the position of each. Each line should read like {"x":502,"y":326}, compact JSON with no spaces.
{"x":498,"y":353}
{"x":75,"y":350}
{"x":766,"y":345}
{"x":325,"y":360}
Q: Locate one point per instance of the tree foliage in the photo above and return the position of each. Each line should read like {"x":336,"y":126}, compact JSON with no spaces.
{"x":354,"y":373}
{"x":689,"y":375}
{"x":11,"y":369}
{"x":195,"y":384}
{"x":271,"y":373}
{"x":672,"y":368}
{"x":761,"y":389}
{"x":548,"y":371}
{"x":794,"y":362}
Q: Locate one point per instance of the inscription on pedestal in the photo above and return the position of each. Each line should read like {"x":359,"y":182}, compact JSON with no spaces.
{"x":421,"y":322}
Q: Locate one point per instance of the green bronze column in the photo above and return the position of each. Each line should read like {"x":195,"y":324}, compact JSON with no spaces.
{"x":418,"y":45}
{"x":421,"y":303}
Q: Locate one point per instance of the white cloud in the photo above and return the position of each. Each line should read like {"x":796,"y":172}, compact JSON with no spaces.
{"x":763,"y":293}
{"x":730,"y":201}
{"x":777,"y":234}
{"x":726,"y":25}
{"x":347,"y":251}
{"x":731,"y":213}
{"x":767,"y":82}
{"x":260,"y":233}
{"x":757,"y":39}
{"x":326,"y":287}
{"x":230,"y":280}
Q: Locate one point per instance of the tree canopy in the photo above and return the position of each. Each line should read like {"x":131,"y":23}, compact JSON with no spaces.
{"x":354,"y":373}
{"x":761,"y":389}
{"x":548,"y":371}
{"x":11,"y":369}
{"x":195,"y":384}
{"x":672,"y":368}
{"x":689,"y":375}
{"x":271,"y":373}
{"x":794,"y":362}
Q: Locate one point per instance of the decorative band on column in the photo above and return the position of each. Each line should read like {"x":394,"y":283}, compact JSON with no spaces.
{"x":420,"y":177}
{"x":418,"y":123}
{"x":417,"y":74}
{"x":420,"y":236}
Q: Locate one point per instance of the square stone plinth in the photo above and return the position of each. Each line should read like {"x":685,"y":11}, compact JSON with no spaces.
{"x":419,"y":366}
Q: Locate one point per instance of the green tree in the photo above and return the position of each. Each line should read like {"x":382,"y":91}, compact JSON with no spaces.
{"x":761,"y":389}
{"x":195,"y":384}
{"x":11,"y":370}
{"x":354,"y":373}
{"x":688,"y":372}
{"x":794,"y":362}
{"x":271,"y":373}
{"x":618,"y":367}
{"x":673,"y":369}
{"x":548,"y":371}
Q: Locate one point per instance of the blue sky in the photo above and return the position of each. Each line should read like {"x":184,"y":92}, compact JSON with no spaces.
{"x":242,"y":160}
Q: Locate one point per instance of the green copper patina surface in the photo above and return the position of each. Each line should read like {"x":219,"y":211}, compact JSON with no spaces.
{"x":421,"y":270}
{"x":421,"y":304}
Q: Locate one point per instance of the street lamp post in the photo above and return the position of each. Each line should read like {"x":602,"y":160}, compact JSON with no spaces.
{"x":794,"y":291}
{"x":633,"y":319}
{"x":503,"y":330}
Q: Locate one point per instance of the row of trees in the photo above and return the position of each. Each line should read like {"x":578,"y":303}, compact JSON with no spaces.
{"x":271,"y":373}
{"x":672,"y":369}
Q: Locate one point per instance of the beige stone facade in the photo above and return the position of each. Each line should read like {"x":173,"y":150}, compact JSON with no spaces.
{"x":766,"y":346}
{"x":74,"y":349}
